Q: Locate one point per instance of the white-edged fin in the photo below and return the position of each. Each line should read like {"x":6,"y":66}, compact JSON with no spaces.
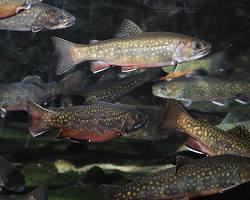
{"x":98,"y":66}
{"x":36,"y":28}
{"x":3,"y":112}
{"x":37,"y":133}
{"x":195,"y":151}
{"x":219,"y":103}
{"x":128,"y":69}
{"x":187,"y":102}
{"x":128,"y":28}
{"x":241,"y":101}
{"x":173,"y":63}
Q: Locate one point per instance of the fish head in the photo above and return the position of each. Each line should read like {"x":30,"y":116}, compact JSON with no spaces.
{"x":242,"y":174}
{"x":167,"y":90}
{"x":134,"y":121}
{"x":191,"y":49}
{"x":52,"y":19}
{"x":14,"y":181}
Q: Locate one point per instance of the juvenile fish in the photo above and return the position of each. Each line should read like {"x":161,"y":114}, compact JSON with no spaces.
{"x":10,"y":177}
{"x":96,"y":122}
{"x":190,"y":178}
{"x":9,"y":8}
{"x":131,"y":49}
{"x":39,"y":17}
{"x":112,"y":91}
{"x":205,"y":137}
{"x":203,"y":89}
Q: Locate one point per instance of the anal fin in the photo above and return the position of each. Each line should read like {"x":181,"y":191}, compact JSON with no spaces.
{"x":197,"y":147}
{"x":98,"y":66}
{"x":128,"y":69}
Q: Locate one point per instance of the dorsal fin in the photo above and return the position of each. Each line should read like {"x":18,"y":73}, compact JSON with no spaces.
{"x":240,"y":131}
{"x":181,"y":161}
{"x":36,"y":80}
{"x":128,"y":28}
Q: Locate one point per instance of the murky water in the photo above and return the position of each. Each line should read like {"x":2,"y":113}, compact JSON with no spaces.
{"x":75,"y":170}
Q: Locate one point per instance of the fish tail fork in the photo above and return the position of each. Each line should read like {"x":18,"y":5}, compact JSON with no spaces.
{"x":67,"y":57}
{"x":37,"y":116}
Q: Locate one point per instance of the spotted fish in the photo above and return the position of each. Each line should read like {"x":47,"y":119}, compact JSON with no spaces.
{"x":39,"y":17}
{"x":9,"y":8}
{"x":203,"y":89}
{"x":205,"y":137}
{"x":113,"y":90}
{"x":14,"y":96}
{"x":131,"y":49}
{"x":96,"y":122}
{"x":190,"y":178}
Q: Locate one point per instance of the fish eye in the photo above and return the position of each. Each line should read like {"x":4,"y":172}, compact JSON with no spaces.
{"x":60,"y":18}
{"x":196,"y":46}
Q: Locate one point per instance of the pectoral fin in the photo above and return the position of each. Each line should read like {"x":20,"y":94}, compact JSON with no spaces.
{"x":220,"y":102}
{"x":36,"y":28}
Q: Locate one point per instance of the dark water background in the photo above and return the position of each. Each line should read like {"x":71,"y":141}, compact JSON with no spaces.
{"x":223,"y":23}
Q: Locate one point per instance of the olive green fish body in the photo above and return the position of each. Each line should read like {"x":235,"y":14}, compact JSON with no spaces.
{"x":39,"y":17}
{"x":214,"y":140}
{"x":201,"y":89}
{"x":200,"y":177}
{"x":91,"y":122}
{"x":112,"y":91}
{"x":131,"y":50}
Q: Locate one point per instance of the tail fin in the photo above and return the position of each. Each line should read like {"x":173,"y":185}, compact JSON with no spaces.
{"x":66,"y":58}
{"x":106,"y":191}
{"x":173,"y":111}
{"x":37,"y":115}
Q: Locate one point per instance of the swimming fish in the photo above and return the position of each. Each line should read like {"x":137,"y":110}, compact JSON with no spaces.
{"x":39,"y":17}
{"x":212,"y":64}
{"x":190,"y":178}
{"x":14,"y":96}
{"x":113,"y":90}
{"x":96,"y":122}
{"x":205,"y":137}
{"x":10,"y":178}
{"x":9,"y":8}
{"x":215,"y":90}
{"x":131,"y":49}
